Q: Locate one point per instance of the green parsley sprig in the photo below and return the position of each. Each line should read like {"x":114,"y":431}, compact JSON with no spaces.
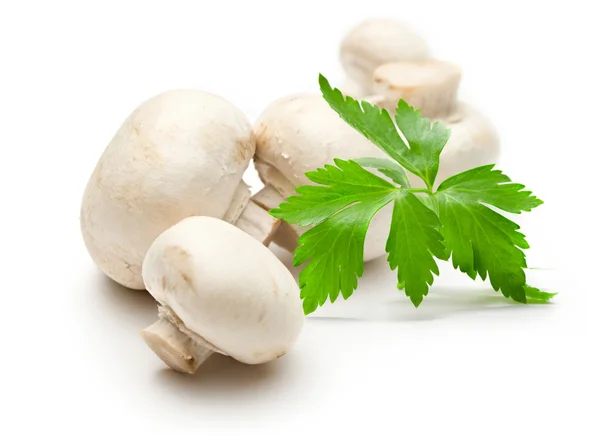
{"x":455,"y":221}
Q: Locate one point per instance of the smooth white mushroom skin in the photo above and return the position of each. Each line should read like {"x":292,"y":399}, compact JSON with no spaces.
{"x":179,"y":154}
{"x":220,"y":290}
{"x":372,"y":43}
{"x":300,"y":133}
{"x":354,"y":89}
{"x":474,"y":141}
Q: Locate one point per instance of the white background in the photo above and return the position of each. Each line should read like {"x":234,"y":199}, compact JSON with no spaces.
{"x":466,"y":362}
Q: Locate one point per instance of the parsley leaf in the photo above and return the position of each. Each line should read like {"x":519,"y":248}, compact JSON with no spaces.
{"x":458,"y":221}
{"x":426,"y":141}
{"x":374,"y":123}
{"x":487,"y":185}
{"x":346,"y":183}
{"x":537,"y":294}
{"x":413,"y":242}
{"x":482,"y":241}
{"x":335,"y":247}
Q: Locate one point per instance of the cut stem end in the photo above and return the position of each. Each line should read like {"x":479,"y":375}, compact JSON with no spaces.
{"x":287,"y":234}
{"x":179,"y":351}
{"x":257,"y":222}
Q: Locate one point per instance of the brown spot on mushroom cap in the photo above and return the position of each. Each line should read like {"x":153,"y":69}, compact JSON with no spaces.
{"x":186,"y":278}
{"x":147,"y":148}
{"x":180,"y":262}
{"x":264,"y":355}
{"x":261,"y":315}
{"x":176,"y":253}
{"x":245,"y":148}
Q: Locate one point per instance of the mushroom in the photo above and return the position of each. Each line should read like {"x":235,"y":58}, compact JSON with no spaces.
{"x":219,"y":291}
{"x":301,"y":133}
{"x":432,"y":87}
{"x":179,"y":154}
{"x":372,"y":43}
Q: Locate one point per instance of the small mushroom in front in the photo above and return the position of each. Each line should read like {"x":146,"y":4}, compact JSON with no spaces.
{"x":219,"y":290}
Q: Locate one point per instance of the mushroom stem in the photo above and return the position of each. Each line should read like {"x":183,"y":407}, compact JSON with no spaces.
{"x":257,"y":222}
{"x":430,"y":86}
{"x":178,"y":350}
{"x":239,"y":201}
{"x":249,"y":217}
{"x":287,"y":234}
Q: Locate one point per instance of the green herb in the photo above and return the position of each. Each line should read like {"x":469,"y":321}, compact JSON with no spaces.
{"x":454,"y":222}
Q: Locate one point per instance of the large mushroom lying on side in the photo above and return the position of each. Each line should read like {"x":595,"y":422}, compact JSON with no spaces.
{"x":179,"y":154}
{"x":374,"y":42}
{"x":219,"y":291}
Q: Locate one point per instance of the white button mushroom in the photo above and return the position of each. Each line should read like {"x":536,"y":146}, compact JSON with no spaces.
{"x":432,"y":87}
{"x":301,"y":133}
{"x":372,"y":43}
{"x":220,"y":291}
{"x":179,"y":154}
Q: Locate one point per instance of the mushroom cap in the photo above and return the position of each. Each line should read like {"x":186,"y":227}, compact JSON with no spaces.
{"x":180,"y":153}
{"x":374,"y":42}
{"x":474,"y":141}
{"x":300,"y":133}
{"x":225,"y":287}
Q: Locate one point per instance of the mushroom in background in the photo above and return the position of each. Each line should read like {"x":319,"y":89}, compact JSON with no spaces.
{"x":219,"y":291}
{"x":181,"y":153}
{"x":372,"y":43}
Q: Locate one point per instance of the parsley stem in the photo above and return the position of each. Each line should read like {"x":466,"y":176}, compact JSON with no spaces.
{"x":429,"y":192}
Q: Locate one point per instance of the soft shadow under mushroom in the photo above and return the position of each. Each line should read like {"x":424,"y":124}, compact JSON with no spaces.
{"x":223,"y":373}
{"x":223,"y":380}
{"x":133,"y":306}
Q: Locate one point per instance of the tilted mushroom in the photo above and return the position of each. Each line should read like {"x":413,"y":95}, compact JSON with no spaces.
{"x":219,"y":291}
{"x":179,"y":154}
{"x":432,"y":87}
{"x":372,"y":43}
{"x":301,"y":133}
